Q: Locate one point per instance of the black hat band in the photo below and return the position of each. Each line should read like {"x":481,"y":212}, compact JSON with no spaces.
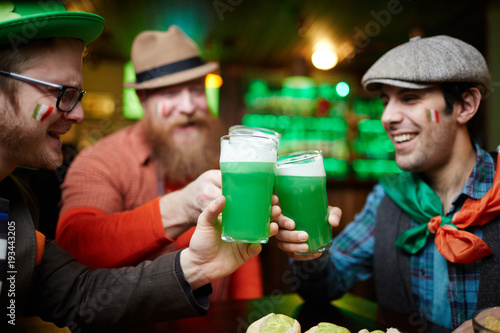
{"x":168,"y":69}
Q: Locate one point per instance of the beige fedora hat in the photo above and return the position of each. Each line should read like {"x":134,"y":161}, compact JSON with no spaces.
{"x":166,"y":58}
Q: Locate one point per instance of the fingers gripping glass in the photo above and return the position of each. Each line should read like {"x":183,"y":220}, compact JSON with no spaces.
{"x":68,"y":96}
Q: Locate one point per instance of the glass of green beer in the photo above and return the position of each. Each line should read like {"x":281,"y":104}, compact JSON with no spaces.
{"x":301,"y":188}
{"x":247,"y":164}
{"x":242,"y":129}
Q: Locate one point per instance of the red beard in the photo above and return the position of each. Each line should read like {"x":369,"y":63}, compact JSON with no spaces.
{"x":182,"y":164}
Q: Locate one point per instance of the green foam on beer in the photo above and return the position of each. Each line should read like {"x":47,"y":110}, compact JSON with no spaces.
{"x":278,"y":323}
{"x":331,"y":328}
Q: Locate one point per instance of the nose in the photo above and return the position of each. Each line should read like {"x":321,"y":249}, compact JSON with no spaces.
{"x":76,"y":115}
{"x":391,"y":114}
{"x":186,"y":103}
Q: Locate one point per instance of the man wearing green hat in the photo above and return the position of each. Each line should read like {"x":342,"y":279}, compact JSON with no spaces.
{"x":41,"y":47}
{"x":428,"y":235}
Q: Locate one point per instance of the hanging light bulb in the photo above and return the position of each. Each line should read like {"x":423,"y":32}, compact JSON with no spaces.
{"x":324,"y":59}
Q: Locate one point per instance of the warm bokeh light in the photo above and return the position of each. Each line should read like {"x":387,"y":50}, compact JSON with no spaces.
{"x":212,"y":84}
{"x":213,"y":81}
{"x":324,"y":59}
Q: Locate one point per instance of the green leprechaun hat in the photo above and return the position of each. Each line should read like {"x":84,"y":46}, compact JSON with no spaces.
{"x":21,"y":21}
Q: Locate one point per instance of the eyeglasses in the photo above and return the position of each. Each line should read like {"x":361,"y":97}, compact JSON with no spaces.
{"x":68,"y":96}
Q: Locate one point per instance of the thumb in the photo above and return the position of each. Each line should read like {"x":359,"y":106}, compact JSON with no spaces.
{"x":209,"y":215}
{"x":253,"y":250}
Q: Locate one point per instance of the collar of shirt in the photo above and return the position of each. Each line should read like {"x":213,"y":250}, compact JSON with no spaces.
{"x":479,"y":181}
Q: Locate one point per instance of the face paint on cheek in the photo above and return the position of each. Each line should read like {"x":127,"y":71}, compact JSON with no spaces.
{"x":433,"y":116}
{"x":161,"y":110}
{"x":42,"y":111}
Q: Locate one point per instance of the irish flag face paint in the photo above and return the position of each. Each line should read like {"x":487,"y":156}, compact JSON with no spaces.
{"x":433,"y":115}
{"x":42,"y":111}
{"x":161,"y":110}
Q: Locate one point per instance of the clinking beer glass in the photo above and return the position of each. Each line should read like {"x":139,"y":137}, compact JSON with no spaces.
{"x":242,"y":129}
{"x":301,"y":188}
{"x":247,"y":164}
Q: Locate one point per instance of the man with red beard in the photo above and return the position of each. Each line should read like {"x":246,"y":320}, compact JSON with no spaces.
{"x":138,"y":192}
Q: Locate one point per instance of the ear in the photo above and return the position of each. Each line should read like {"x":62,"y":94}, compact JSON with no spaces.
{"x":469,"y":105}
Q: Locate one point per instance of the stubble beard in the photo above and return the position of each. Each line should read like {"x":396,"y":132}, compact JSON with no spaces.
{"x":24,"y":144}
{"x":180,"y":164}
{"x":432,"y":155}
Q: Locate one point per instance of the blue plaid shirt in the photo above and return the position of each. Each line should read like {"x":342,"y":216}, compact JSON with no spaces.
{"x":445,"y":293}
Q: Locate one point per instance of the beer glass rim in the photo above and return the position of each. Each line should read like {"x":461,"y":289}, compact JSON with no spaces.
{"x":266,"y":131}
{"x":299,"y":156}
{"x":266,"y":137}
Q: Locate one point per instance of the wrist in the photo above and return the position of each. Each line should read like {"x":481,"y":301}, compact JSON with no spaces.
{"x":194,"y":272}
{"x":174,"y":217}
{"x":183,"y":203}
{"x":191,"y":210}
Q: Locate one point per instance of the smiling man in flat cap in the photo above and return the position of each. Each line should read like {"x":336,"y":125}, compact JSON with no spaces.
{"x":137,"y":193}
{"x":428,"y":235}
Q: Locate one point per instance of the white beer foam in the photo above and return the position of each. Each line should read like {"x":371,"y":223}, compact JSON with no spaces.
{"x":311,"y":168}
{"x":248,"y":149}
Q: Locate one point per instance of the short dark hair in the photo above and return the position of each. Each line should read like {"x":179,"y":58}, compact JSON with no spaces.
{"x":452,"y":92}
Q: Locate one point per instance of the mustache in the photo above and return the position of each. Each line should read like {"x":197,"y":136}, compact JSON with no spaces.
{"x":60,"y":129}
{"x":199,"y":118}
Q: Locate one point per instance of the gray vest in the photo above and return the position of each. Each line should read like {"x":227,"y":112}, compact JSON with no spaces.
{"x":392,"y":265}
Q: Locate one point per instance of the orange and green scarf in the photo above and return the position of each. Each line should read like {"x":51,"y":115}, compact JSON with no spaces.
{"x":423,"y":205}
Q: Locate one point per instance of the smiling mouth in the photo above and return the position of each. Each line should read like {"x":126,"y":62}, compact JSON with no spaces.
{"x":188,"y":124}
{"x":403,"y":137}
{"x":54,"y":135}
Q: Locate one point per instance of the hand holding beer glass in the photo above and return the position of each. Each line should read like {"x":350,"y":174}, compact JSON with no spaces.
{"x":301,"y":188}
{"x":247,"y":164}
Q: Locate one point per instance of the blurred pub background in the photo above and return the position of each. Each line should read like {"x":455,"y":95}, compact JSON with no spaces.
{"x":268,"y":77}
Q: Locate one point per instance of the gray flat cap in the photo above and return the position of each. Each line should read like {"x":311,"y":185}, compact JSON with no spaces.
{"x":423,"y":62}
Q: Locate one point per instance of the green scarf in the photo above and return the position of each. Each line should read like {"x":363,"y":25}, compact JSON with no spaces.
{"x":420,"y":202}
